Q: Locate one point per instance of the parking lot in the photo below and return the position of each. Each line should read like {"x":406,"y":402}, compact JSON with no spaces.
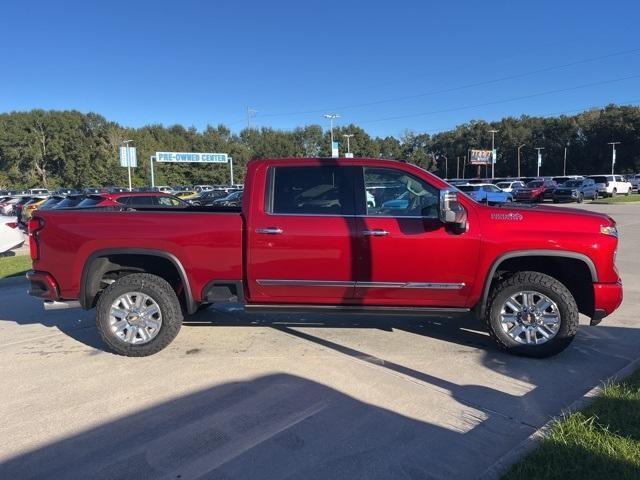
{"x":255,"y":396}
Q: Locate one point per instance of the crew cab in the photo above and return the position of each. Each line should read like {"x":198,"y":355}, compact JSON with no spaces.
{"x":306,"y":238}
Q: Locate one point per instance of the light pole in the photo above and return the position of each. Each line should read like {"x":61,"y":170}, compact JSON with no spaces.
{"x":613,"y":154}
{"x":331,"y":117}
{"x":523,"y":145}
{"x":348,"y":137}
{"x":126,"y":152}
{"x":539,"y":159}
{"x":446,"y":166}
{"x":457,"y":167}
{"x":493,"y":151}
{"x":564,"y":164}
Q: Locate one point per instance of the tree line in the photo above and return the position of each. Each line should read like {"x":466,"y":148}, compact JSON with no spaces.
{"x":74,"y":149}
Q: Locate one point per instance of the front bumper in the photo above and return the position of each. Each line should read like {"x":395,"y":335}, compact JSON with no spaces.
{"x":607,"y":298}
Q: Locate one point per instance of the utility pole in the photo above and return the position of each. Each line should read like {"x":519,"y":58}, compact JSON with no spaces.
{"x":250,"y":114}
{"x":539,"y":159}
{"x":613,"y":154}
{"x":331,"y":117}
{"x":523,"y":145}
{"x":458,"y":167}
{"x":564,"y":165}
{"x":348,"y":137}
{"x":493,"y":151}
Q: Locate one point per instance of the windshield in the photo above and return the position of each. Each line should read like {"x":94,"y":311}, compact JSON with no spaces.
{"x":599,"y":179}
{"x":91,"y":201}
{"x":503,"y":185}
{"x":535,"y":184}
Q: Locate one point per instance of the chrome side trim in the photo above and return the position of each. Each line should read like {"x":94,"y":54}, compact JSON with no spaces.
{"x":338,"y":283}
{"x":292,"y":307}
{"x":425,"y":285}
{"x":305,"y":283}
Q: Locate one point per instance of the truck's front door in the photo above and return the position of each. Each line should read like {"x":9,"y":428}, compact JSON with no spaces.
{"x":302,"y":242}
{"x":406,"y":255}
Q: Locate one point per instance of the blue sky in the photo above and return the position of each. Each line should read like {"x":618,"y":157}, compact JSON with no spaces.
{"x":387,"y":66}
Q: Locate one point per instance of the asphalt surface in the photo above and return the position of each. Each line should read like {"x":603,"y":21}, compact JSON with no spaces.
{"x":240,"y":396}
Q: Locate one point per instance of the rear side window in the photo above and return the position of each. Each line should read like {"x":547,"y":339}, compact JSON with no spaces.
{"x":140,"y":201}
{"x":311,"y":190}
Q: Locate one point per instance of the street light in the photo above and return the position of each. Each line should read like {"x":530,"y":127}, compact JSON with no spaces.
{"x":523,"y":145}
{"x":348,"y":136}
{"x":613,"y":154}
{"x":126,"y":151}
{"x":493,"y":151}
{"x":446,"y":166}
{"x":331,"y":117}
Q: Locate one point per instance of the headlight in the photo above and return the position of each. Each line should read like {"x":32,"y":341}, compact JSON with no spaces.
{"x":609,"y":230}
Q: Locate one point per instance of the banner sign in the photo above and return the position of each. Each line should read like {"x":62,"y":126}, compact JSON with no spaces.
{"x":191,"y":157}
{"x":539,"y":159}
{"x":334,"y":150}
{"x":480,"y":157}
{"x":128,"y":157}
{"x":494,"y":155}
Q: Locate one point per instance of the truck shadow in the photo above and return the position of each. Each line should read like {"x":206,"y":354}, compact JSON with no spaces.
{"x":286,"y":426}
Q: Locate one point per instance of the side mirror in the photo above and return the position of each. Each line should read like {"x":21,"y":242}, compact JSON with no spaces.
{"x":451,"y":211}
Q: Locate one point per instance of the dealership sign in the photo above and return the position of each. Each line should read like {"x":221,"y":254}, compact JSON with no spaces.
{"x":190,"y":157}
{"x":480,"y":157}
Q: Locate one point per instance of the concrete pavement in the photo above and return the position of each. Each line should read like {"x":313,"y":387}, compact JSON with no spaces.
{"x":253,"y":396}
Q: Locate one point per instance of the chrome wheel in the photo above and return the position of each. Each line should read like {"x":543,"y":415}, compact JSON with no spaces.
{"x":530,"y":317}
{"x":135,"y":318}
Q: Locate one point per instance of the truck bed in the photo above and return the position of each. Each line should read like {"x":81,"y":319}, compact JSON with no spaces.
{"x":205,"y":241}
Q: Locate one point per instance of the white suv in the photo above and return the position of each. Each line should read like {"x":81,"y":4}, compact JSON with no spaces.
{"x":611,"y":185}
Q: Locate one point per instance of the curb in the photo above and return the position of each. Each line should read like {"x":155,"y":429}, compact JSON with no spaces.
{"x":17,"y":280}
{"x":502,"y":465}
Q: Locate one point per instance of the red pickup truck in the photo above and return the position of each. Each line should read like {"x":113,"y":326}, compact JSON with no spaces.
{"x":332,"y":235}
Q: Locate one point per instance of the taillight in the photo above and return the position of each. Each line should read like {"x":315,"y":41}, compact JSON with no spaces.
{"x":34,"y":226}
{"x":12,"y":225}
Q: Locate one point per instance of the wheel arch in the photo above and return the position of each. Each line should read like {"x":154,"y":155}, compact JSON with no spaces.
{"x":581,"y":292}
{"x":101,"y":262}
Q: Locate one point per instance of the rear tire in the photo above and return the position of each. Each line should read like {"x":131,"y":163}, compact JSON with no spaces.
{"x":125,"y":320}
{"x":512,"y":336}
{"x":614,"y":192}
{"x":580,"y":198}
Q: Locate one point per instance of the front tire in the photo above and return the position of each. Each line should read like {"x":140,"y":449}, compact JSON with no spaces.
{"x":580,"y":198}
{"x":532,"y":314}
{"x":138,"y":315}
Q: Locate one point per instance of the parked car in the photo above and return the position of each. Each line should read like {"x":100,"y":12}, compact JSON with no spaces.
{"x":66,"y":191}
{"x":232,"y":200}
{"x":187,"y":195}
{"x":132,"y":200}
{"x":575,"y":191}
{"x":305,"y":240}
{"x":510,"y":186}
{"x":536,"y":191}
{"x":7,"y":206}
{"x":30,"y":207}
{"x":611,"y":185}
{"x":209,"y":197}
{"x":10,"y":235}
{"x":486,"y":192}
{"x":202,"y":188}
{"x":51,"y":202}
{"x":634,"y":180}
{"x":38,"y":191}
{"x":70,"y":201}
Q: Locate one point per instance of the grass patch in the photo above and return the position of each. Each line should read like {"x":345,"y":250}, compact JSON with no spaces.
{"x":14,"y":266}
{"x":619,"y":199}
{"x":601,"y":441}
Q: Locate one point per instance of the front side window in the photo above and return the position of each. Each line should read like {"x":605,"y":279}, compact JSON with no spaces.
{"x":311,"y":190}
{"x":395,"y":193}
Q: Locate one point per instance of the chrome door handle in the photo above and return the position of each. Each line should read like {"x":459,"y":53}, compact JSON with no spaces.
{"x":375,"y":233}
{"x":269,"y":231}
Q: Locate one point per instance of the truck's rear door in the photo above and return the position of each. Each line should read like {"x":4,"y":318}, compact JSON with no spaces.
{"x":301,"y":235}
